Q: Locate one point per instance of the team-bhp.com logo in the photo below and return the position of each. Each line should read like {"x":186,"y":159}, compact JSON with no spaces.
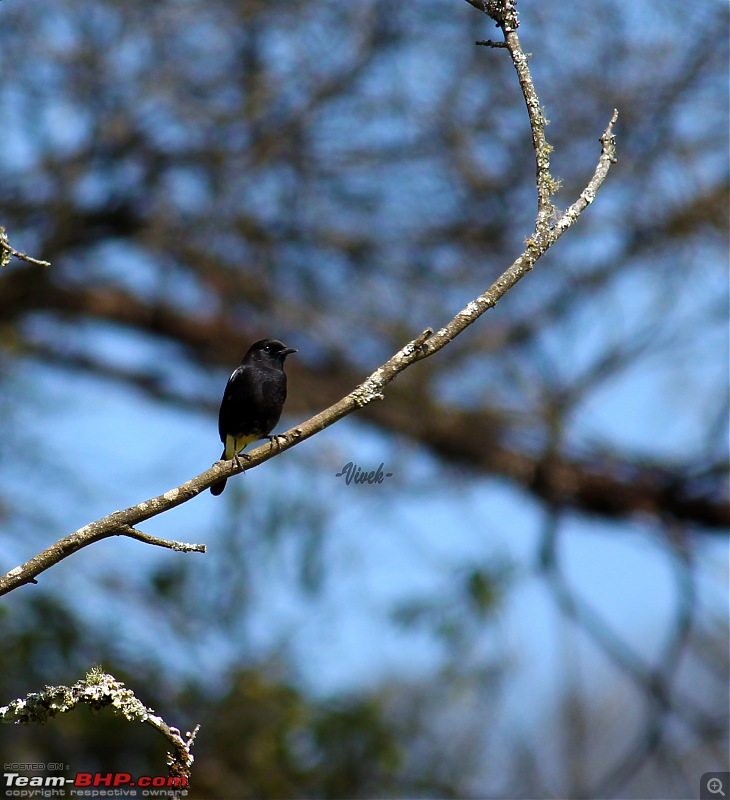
{"x":17,"y":785}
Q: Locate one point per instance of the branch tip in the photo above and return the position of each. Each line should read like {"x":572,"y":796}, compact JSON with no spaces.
{"x":6,"y":251}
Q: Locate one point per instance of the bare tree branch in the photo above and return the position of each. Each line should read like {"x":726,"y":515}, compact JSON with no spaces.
{"x":100,"y":690}
{"x":6,"y":251}
{"x":600,"y":484}
{"x":504,"y":13}
{"x":423,"y":346}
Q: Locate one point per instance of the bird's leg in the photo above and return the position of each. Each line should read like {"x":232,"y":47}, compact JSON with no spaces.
{"x":237,"y":458}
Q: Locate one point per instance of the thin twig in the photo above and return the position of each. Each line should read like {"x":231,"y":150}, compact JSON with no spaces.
{"x":181,"y":547}
{"x":504,"y":13}
{"x":5,"y":248}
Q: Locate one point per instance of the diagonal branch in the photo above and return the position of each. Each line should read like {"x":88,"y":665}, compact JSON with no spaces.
{"x":596,"y":483}
{"x":372,"y":388}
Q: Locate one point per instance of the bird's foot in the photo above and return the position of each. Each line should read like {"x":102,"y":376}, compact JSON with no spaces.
{"x":237,"y":458}
{"x":275,"y":440}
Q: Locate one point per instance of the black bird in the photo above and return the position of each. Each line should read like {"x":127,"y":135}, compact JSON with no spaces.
{"x":253,"y":399}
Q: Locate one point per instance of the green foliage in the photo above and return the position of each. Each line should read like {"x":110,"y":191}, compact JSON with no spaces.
{"x":265,"y":739}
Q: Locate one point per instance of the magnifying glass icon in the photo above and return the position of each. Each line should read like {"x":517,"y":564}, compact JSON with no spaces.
{"x":714,"y":786}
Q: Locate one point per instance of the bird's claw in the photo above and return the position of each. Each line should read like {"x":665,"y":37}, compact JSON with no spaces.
{"x":237,"y":458}
{"x":274,"y":440}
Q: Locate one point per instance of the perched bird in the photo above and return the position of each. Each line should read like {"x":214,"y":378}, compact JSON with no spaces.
{"x":253,"y":399}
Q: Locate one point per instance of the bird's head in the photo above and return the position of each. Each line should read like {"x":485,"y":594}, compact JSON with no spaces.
{"x":268,"y":351}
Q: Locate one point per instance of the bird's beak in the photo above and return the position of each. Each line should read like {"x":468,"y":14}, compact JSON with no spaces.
{"x":287,"y":351}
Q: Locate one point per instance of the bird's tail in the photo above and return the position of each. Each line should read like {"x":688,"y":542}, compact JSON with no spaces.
{"x":217,"y":488}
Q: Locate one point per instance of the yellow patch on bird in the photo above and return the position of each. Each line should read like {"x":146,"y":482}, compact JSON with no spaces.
{"x":234,"y":444}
